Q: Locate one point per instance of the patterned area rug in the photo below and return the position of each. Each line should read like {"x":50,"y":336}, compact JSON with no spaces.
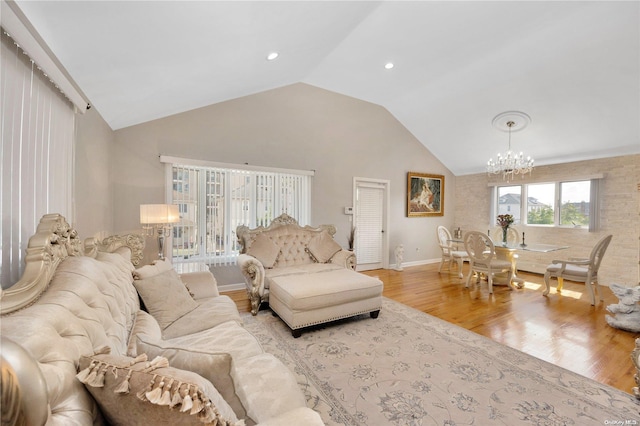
{"x":410,"y":368}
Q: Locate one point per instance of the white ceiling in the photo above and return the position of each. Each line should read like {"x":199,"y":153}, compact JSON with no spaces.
{"x":573,"y":66}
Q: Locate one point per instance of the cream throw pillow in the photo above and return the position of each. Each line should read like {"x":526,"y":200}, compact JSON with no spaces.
{"x":322,"y":247}
{"x":215,"y":367}
{"x":165,"y":297}
{"x":142,"y":392}
{"x":265,"y":250}
{"x":148,"y":271}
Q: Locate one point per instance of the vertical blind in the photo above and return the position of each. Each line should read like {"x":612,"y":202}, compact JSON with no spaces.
{"x":36,"y":173}
{"x":214,"y":201}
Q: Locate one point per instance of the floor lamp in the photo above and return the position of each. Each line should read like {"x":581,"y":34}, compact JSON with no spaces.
{"x":157,"y":218}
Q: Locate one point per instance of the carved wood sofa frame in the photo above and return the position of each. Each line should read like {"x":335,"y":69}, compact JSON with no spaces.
{"x":53,"y":242}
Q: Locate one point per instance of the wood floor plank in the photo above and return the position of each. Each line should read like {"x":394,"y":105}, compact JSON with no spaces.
{"x":562,"y":329}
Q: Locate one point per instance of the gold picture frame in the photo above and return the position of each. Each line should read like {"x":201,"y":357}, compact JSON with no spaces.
{"x":425,"y":194}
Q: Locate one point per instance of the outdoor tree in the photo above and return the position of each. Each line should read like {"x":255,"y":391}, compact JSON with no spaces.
{"x":571,"y":215}
{"x":542,"y":216}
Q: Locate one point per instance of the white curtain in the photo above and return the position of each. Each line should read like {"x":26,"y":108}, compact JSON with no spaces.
{"x":36,"y":174}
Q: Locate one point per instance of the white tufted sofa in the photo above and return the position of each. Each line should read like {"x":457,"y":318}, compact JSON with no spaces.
{"x":77,"y":298}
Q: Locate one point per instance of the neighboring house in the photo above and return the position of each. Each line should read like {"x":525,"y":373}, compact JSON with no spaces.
{"x":510,"y":204}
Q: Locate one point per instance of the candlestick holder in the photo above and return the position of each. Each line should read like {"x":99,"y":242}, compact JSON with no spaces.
{"x":523,"y":243}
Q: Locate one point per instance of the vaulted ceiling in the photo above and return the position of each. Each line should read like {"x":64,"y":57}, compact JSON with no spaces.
{"x":573,"y":67}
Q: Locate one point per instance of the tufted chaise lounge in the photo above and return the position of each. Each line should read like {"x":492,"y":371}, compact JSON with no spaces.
{"x":304,"y":275}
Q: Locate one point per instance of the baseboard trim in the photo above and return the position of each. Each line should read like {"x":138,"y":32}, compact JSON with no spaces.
{"x":416,"y":263}
{"x":231,"y":287}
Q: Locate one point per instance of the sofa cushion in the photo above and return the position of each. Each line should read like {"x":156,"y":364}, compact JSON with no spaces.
{"x":298,"y":416}
{"x":136,"y":391}
{"x":256,"y":380}
{"x":309,"y":268}
{"x":265,"y":250}
{"x":165,"y":297}
{"x":322,"y":247}
{"x":209,"y":313}
{"x":201,"y":285}
{"x":228,"y":337}
{"x":215,"y":367}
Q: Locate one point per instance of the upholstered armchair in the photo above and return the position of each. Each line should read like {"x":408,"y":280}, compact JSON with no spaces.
{"x":580,"y":270}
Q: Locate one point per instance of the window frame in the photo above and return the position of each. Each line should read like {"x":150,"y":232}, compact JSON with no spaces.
{"x":249,"y":203}
{"x":594,"y":202}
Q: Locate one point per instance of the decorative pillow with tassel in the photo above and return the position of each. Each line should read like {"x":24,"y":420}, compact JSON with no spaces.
{"x":215,"y":367}
{"x":142,"y":391}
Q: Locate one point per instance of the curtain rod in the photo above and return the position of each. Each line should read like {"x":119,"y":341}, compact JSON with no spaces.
{"x":528,"y":181}
{"x":18,"y":27}
{"x":206,"y":163}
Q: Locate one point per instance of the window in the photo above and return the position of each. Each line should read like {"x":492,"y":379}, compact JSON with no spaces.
{"x":540,"y":204}
{"x":509,"y":201}
{"x":214,"y":201}
{"x":567,"y":203}
{"x":574,"y":203}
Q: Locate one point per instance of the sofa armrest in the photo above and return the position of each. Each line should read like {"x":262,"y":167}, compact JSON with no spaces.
{"x":253,"y":273}
{"x":344,"y":258}
{"x":202,"y":285}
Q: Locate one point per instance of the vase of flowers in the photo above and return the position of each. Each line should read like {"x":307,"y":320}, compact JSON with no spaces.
{"x":505,"y":221}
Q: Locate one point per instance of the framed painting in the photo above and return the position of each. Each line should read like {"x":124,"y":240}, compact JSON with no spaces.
{"x":425,"y":194}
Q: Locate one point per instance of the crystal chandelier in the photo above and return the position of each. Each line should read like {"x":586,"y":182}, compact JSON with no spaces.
{"x":510,"y":163}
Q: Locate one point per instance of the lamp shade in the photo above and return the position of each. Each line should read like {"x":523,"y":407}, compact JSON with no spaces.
{"x":159,"y":214}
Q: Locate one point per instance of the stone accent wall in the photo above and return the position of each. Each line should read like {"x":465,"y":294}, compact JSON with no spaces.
{"x":619,"y":215}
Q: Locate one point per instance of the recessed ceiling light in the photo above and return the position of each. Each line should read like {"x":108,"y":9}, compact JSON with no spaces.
{"x":273,"y":55}
{"x":388,"y":65}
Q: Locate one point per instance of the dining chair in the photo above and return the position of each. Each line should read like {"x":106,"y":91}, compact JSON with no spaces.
{"x":578,"y":269}
{"x":449,"y":251}
{"x":482,"y":259}
{"x":513,"y":239}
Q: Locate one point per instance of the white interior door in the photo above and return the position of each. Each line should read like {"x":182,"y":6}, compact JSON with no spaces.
{"x":370,"y":219}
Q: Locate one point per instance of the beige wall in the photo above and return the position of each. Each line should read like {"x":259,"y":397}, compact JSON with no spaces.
{"x":93,"y":192}
{"x":299,"y":127}
{"x":618,"y":213}
{"x":304,"y":127}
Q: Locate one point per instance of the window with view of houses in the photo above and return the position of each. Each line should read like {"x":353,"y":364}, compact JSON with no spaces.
{"x":565,"y":204}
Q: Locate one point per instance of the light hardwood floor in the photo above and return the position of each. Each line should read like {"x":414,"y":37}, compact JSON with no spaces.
{"x":562,"y":329}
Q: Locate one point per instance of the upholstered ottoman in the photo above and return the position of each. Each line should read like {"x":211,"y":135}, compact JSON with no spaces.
{"x":303,"y":300}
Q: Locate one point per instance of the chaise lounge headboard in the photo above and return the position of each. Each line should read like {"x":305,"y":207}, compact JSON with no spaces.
{"x":54,"y":241}
{"x":245,"y":235}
